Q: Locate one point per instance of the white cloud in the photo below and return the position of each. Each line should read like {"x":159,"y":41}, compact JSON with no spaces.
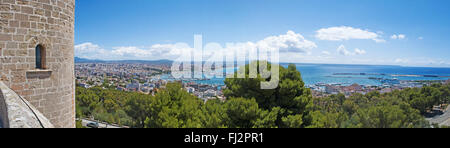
{"x":89,"y":50}
{"x":359,"y":51}
{"x":400,"y":60}
{"x":158,"y":51}
{"x":291,"y":42}
{"x":131,"y":52}
{"x":347,"y":33}
{"x":326,"y":53}
{"x":155,"y":52}
{"x":420,"y":38}
{"x":422,"y":61}
{"x":399,"y":36}
{"x":394,"y":37}
{"x":343,"y":51}
{"x":86,"y":47}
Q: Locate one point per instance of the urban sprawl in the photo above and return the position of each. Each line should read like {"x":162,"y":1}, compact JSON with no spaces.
{"x":149,"y":78}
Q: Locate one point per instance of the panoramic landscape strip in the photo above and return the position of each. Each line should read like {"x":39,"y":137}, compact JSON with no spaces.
{"x":207,"y":65}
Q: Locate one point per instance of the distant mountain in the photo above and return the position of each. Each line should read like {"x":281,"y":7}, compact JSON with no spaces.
{"x":83,"y":60}
{"x":159,"y":62}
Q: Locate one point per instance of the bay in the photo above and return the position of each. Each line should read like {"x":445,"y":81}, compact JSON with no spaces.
{"x":351,"y":74}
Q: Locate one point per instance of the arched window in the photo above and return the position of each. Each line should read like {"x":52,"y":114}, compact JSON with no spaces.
{"x":40,"y":57}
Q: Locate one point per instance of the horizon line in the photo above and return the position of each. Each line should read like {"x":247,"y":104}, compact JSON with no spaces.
{"x":360,"y":64}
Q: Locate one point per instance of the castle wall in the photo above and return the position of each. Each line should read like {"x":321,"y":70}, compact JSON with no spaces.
{"x":24,"y":24}
{"x":16,"y":112}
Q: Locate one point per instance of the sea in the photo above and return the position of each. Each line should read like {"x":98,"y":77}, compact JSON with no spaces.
{"x":369,"y":75}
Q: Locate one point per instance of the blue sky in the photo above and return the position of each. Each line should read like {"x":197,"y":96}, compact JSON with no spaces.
{"x":392,"y":32}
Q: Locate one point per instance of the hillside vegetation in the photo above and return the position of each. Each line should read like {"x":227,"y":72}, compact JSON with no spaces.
{"x":290,"y":105}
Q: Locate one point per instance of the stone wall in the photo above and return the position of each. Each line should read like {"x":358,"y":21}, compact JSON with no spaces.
{"x":25,"y":24}
{"x":3,"y":111}
{"x":19,"y":113}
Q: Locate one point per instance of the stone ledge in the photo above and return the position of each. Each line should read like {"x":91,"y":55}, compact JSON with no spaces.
{"x":39,"y":73}
{"x":39,"y":70}
{"x":16,"y":112}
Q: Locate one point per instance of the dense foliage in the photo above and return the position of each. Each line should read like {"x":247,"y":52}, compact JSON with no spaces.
{"x":290,"y":105}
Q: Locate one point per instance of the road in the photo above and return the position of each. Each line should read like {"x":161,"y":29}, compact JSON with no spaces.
{"x":84,"y":122}
{"x":443,"y":119}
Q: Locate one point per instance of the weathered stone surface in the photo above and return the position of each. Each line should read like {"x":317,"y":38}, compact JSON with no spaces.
{"x":19,"y":113}
{"x":24,"y":24}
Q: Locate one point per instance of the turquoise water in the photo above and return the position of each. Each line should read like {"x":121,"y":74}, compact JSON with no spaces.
{"x":326,"y":73}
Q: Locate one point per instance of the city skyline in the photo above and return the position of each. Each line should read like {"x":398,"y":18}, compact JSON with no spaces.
{"x":406,"y":33}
